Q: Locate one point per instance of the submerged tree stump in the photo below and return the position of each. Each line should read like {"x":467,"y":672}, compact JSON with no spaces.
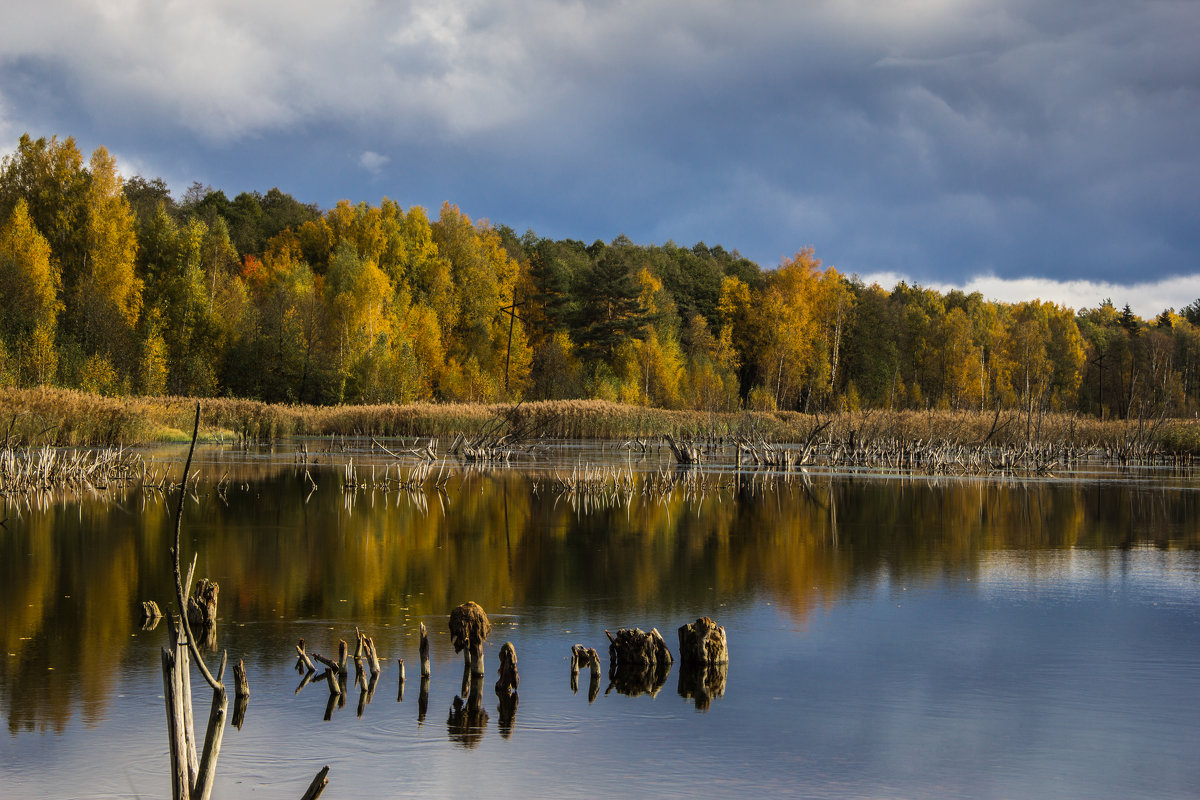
{"x":703,"y":642}
{"x":469,"y":628}
{"x":582,"y":656}
{"x":202,"y":604}
{"x":636,"y":648}
{"x":150,"y":611}
{"x":639,"y":662}
{"x":508,"y":670}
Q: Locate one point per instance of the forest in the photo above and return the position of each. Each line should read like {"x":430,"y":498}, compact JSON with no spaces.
{"x":112,"y":286}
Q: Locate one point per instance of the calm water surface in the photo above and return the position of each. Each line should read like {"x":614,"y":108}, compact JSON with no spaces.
{"x":889,"y":636}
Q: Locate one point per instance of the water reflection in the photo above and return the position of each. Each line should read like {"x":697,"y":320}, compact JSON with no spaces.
{"x":633,"y":680}
{"x":73,"y":573}
{"x":702,"y":683}
{"x":468,"y":719}
{"x":507,"y":709}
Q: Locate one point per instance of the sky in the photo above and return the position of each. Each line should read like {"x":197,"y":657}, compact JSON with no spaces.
{"x":1023,"y":148}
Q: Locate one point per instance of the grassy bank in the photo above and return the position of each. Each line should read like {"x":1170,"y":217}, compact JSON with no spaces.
{"x":65,"y":417}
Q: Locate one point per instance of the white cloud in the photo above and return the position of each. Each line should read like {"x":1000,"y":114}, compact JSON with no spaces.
{"x":1147,"y":300}
{"x":373,"y":162}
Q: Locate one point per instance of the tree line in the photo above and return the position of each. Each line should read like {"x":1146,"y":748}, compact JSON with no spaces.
{"x":113,"y":286}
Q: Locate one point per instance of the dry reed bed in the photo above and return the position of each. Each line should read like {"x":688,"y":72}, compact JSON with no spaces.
{"x":30,"y":470}
{"x":70,"y":418}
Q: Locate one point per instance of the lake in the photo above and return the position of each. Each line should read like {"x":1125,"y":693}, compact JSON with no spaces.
{"x":889,"y":635}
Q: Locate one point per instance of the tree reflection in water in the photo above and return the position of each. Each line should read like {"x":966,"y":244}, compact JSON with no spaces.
{"x":285,"y":557}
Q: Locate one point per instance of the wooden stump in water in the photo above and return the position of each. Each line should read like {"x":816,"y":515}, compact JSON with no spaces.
{"x":150,"y":615}
{"x":636,"y":648}
{"x":239,"y":677}
{"x":703,"y":642}
{"x":508,"y":670}
{"x":318,"y":785}
{"x":582,"y":656}
{"x":202,"y":604}
{"x":425,"y":670}
{"x":303,"y":662}
{"x":639,"y":662}
{"x":469,"y":629}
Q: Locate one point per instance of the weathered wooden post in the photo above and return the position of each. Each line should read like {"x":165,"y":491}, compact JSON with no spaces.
{"x":425,"y":670}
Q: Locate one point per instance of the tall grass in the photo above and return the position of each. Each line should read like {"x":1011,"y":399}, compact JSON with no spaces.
{"x":68,"y":417}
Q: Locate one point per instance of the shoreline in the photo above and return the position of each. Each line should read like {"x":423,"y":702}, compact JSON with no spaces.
{"x":65,"y":417}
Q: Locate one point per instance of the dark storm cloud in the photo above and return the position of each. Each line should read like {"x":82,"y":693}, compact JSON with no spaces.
{"x":936,"y":139}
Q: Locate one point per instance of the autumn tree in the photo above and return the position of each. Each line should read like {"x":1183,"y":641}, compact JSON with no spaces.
{"x":29,"y":284}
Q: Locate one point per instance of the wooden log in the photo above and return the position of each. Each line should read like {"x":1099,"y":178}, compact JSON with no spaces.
{"x":318,"y":785}
{"x":703,"y":642}
{"x":183,"y":687}
{"x":212,"y":744}
{"x":400,"y":690}
{"x":331,"y":677}
{"x":174,"y":707}
{"x":508,"y":677}
{"x":302,"y":657}
{"x":240,"y":705}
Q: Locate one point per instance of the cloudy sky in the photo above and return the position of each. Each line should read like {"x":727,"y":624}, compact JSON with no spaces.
{"x":1021,"y":147}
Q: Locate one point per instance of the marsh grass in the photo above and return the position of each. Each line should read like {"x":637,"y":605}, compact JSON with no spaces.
{"x":65,"y":417}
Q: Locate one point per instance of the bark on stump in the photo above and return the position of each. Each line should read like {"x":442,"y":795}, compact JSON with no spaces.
{"x":469,"y":628}
{"x":202,"y":604}
{"x":703,"y":642}
{"x":635,"y":648}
